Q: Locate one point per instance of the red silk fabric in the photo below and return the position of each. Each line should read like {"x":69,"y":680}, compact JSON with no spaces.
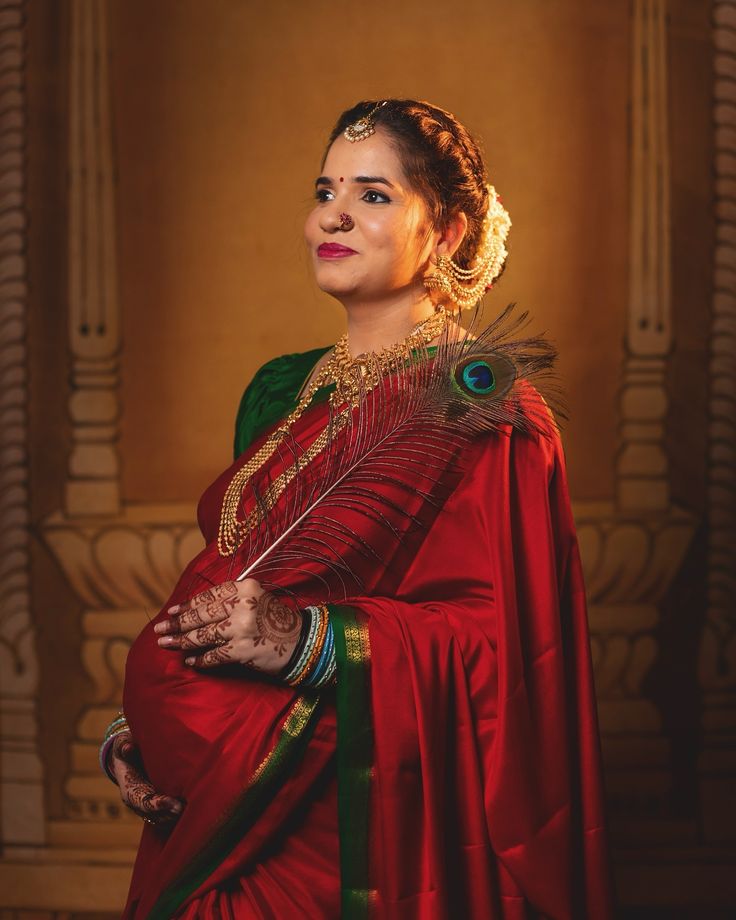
{"x":486,"y":795}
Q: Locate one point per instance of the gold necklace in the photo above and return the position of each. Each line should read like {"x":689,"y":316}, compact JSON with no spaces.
{"x":339,"y":369}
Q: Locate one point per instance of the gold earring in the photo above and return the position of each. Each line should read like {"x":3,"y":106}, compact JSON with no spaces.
{"x":465,"y":286}
{"x":441,"y":278}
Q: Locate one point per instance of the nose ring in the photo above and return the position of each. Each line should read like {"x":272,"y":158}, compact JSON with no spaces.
{"x":346,"y":221}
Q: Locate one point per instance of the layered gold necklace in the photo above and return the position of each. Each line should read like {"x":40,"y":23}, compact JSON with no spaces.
{"x":340,"y":370}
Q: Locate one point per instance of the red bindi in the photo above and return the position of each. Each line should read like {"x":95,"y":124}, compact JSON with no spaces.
{"x":341,"y":179}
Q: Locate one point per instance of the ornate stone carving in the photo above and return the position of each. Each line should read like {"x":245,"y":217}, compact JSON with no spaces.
{"x":642,"y":467}
{"x":717,"y":664}
{"x":21,"y":781}
{"x":630,"y":561}
{"x":123,"y":569}
{"x":94,"y":335}
{"x":132,"y":560}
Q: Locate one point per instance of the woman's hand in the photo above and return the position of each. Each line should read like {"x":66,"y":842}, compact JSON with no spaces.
{"x":236,"y":622}
{"x":135,"y":789}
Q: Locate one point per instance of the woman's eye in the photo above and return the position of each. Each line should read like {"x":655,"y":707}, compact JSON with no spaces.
{"x":380,"y":199}
{"x":321,"y":194}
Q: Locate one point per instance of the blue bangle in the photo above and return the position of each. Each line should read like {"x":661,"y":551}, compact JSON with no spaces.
{"x":307,"y":630}
{"x":324,"y":668}
{"x":321,"y":663}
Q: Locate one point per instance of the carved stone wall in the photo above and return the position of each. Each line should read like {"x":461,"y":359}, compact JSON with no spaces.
{"x":642,"y":466}
{"x":21,"y":778}
{"x":717,"y":666}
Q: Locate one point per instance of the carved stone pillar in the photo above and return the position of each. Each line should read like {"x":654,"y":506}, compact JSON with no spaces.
{"x":120,"y":561}
{"x":642,"y":480}
{"x":717,"y":664}
{"x":21,"y":781}
{"x":94,"y":329}
{"x":122,"y":568}
{"x":633,"y":551}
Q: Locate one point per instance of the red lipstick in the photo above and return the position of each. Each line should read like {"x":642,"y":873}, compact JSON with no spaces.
{"x":334,"y":251}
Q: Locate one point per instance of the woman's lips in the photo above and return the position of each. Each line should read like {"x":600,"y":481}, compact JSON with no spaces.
{"x":334,"y":251}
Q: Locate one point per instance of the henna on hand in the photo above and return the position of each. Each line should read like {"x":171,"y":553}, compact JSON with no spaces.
{"x":136,"y":791}
{"x":211,"y":634}
{"x":213,"y":604}
{"x":236,"y":622}
{"x":276,"y":622}
{"x":214,"y":656}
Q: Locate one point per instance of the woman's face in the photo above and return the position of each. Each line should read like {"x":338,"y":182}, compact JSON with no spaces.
{"x":388,"y":245}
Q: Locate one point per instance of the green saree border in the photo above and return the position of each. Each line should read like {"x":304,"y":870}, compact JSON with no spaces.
{"x":354,"y":756}
{"x":292,"y":741}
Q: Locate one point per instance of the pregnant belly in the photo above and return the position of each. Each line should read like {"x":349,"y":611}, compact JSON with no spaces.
{"x":183,"y":719}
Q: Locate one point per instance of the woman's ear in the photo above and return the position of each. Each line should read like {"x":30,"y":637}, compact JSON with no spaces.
{"x":452,"y":235}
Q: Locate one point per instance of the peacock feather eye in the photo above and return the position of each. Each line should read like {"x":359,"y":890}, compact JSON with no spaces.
{"x":476,"y":377}
{"x":484,"y":375}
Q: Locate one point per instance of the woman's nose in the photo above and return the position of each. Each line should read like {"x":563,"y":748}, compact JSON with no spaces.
{"x":336,"y":218}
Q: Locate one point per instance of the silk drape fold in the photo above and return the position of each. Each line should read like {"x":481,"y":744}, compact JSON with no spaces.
{"x":488,"y":798}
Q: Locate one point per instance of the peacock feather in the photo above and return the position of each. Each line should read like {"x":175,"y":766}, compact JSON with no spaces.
{"x":411,"y":435}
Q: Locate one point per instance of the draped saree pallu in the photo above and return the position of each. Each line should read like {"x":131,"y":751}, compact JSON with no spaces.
{"x":454,"y":770}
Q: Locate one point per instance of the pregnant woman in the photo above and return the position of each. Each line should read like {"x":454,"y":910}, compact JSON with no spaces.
{"x":371,"y":694}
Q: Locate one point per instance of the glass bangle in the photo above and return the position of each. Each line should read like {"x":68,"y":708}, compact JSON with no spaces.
{"x":313,"y":649}
{"x":308,"y":647}
{"x":316,"y":650}
{"x":313,"y":679}
{"x":105,"y":750}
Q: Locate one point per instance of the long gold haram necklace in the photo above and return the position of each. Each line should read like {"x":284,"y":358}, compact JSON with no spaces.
{"x":339,"y":370}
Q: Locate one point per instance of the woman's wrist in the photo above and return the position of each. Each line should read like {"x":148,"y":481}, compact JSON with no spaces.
{"x":312,"y":663}
{"x":118,"y":726}
{"x":300,"y":644}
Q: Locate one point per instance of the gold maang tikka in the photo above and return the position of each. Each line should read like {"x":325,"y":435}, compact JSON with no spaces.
{"x":363,"y":127}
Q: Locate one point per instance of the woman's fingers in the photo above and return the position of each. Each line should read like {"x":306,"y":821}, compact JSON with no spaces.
{"x":158,"y":807}
{"x":140,"y":796}
{"x":135,"y":789}
{"x":213,"y":634}
{"x":212,"y":605}
{"x":223,"y":654}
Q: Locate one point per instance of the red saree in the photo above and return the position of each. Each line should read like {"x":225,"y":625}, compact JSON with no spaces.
{"x":454,"y":772}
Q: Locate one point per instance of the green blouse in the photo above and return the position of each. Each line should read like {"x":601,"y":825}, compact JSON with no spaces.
{"x":272,"y":393}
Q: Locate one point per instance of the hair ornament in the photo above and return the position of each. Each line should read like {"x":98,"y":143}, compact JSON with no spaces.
{"x":465,"y":286}
{"x":363,"y":127}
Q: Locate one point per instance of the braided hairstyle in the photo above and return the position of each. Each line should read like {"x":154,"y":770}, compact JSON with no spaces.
{"x":441,"y":160}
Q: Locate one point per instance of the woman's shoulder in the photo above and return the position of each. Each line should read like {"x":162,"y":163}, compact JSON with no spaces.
{"x":285,"y":373}
{"x":525,"y":429}
{"x":272,"y":392}
{"x":283,"y":366}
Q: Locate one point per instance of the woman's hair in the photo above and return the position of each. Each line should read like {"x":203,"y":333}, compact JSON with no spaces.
{"x":440,"y":158}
